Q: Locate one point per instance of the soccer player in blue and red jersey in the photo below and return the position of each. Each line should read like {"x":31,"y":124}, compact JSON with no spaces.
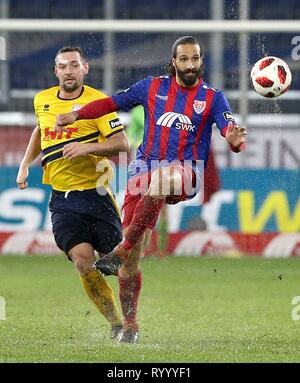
{"x":180,"y":109}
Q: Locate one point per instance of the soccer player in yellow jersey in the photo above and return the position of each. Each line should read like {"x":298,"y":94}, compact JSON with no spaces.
{"x":84,"y":214}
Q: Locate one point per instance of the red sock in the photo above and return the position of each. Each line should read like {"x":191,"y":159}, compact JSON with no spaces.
{"x":145,"y":215}
{"x":129,"y":291}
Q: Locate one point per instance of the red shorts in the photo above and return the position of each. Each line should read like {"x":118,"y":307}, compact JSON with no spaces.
{"x":138,"y":185}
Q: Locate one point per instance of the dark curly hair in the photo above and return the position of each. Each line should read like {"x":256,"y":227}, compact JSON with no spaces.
{"x":184,"y":40}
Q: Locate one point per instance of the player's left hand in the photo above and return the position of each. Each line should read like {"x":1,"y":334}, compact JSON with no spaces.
{"x":235,"y":135}
{"x":74,"y":150}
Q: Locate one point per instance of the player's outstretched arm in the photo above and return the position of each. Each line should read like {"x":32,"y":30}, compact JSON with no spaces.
{"x":90,"y":111}
{"x":114,"y":145}
{"x":32,"y":151}
{"x":236,"y":137}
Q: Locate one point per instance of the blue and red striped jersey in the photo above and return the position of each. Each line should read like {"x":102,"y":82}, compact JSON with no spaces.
{"x":178,"y":120}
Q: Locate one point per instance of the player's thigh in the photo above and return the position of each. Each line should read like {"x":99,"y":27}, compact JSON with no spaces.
{"x":106,"y":235}
{"x":70,"y":229}
{"x":130,"y":202}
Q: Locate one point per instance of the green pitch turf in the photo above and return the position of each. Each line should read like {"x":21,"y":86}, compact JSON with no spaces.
{"x":191,"y":310}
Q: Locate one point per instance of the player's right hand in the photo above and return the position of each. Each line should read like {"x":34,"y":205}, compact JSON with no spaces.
{"x":22,"y":178}
{"x":63,"y":120}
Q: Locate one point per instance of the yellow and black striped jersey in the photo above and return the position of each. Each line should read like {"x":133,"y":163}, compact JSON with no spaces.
{"x":80,"y":173}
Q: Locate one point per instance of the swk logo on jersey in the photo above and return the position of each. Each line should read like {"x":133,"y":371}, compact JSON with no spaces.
{"x":199,"y":106}
{"x":181,"y":121}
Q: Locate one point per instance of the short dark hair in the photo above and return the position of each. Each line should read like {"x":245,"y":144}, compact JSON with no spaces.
{"x":71,"y":49}
{"x":184,"y":40}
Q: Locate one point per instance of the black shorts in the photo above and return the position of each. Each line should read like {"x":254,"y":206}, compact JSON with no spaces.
{"x":85,"y":216}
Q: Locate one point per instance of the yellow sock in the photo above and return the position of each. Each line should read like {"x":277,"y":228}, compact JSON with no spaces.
{"x":102,"y":295}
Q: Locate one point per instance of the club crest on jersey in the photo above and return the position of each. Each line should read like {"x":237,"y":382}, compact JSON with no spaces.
{"x":76,"y":107}
{"x":199,"y":106}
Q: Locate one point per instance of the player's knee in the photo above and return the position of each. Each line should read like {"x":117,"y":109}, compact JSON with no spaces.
{"x":155,"y":183}
{"x":132,"y":264}
{"x":129,"y":269}
{"x":83,"y":264}
{"x":176,"y":182}
{"x":155,"y":188}
{"x":165,"y":181}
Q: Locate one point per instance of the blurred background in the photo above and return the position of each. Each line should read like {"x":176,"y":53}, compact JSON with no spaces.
{"x":254,"y":206}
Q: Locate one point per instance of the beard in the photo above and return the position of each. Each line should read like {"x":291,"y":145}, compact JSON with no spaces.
{"x":189,"y":77}
{"x":69,"y":88}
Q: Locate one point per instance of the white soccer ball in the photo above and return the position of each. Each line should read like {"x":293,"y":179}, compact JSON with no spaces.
{"x":271,"y":76}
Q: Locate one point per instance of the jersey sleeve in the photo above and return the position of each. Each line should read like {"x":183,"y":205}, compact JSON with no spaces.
{"x":36,"y":109}
{"x":109,"y":125}
{"x":133,"y":96}
{"x":221,"y":111}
